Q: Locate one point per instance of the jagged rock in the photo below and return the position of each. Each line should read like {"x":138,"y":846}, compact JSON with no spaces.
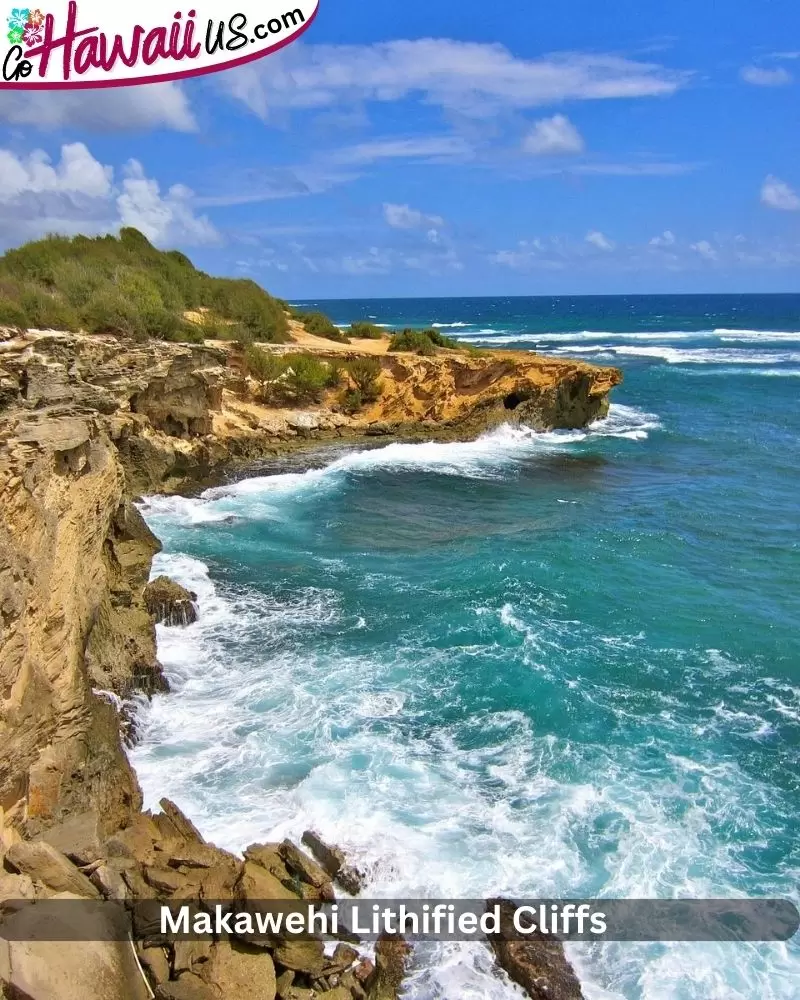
{"x":307,"y":870}
{"x":43,"y":863}
{"x":169,"y":603}
{"x":257,"y":883}
{"x":164,"y":880}
{"x":102,"y":969}
{"x":192,"y":855}
{"x":342,"y":959}
{"x":13,"y":887}
{"x":240,"y":972}
{"x":301,"y":956}
{"x":536,"y":962}
{"x":334,"y":862}
{"x":284,"y":983}
{"x":392,"y":954}
{"x":78,"y":838}
{"x":155,"y":962}
{"x":184,"y":827}
{"x":338,"y":993}
{"x":188,"y":987}
{"x":109,"y":881}
{"x":189,"y":955}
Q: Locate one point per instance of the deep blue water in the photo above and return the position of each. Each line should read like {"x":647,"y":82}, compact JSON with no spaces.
{"x":557,"y":664}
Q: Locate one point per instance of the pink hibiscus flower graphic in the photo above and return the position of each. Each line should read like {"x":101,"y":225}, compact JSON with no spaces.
{"x":33,"y":34}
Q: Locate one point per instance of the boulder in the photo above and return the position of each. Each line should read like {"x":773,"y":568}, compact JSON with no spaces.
{"x":43,"y":863}
{"x":78,"y":838}
{"x":536,"y":962}
{"x":392,"y":953}
{"x":183,"y":826}
{"x":102,"y":969}
{"x":301,"y":956}
{"x":169,"y":603}
{"x":240,"y":972}
{"x":256,"y":883}
{"x":303,"y":866}
{"x":154,"y":961}
{"x":188,"y":987}
{"x":334,"y":862}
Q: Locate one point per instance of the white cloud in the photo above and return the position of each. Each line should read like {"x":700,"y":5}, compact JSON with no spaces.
{"x":405,"y":217}
{"x":78,"y":194}
{"x":429,"y":148}
{"x":777,"y":194}
{"x":666,"y":239}
{"x":157,"y":105}
{"x":553,"y":136}
{"x":597,"y":239}
{"x":473,"y":78}
{"x":760,"y":76}
{"x":163,"y":219}
{"x":78,"y":173}
{"x":705,"y":250}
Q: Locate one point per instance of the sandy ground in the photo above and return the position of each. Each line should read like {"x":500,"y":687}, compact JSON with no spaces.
{"x":312,"y":343}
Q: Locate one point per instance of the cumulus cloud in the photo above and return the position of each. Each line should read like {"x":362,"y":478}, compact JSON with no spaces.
{"x":472,"y":78}
{"x":78,"y":173}
{"x":553,"y":136}
{"x":760,"y":76}
{"x":705,"y":250}
{"x":79,"y":194}
{"x":157,"y":105}
{"x":666,"y":239}
{"x":776,"y":193}
{"x":405,"y":217}
{"x":597,"y":239}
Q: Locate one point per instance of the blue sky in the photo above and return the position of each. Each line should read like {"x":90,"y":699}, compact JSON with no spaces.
{"x":449,"y":148}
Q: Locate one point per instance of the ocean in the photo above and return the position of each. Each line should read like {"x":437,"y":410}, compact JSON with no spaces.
{"x":549,"y":665}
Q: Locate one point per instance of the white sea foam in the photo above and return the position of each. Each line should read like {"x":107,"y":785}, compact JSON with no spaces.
{"x":450,"y":326}
{"x":264,"y":738}
{"x":489,"y":457}
{"x":579,"y":336}
{"x":687,"y":356}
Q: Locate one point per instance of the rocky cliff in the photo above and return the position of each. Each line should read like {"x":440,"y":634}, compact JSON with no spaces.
{"x":86,"y":424}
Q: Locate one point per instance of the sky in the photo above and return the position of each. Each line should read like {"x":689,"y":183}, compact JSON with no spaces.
{"x":435,"y":147}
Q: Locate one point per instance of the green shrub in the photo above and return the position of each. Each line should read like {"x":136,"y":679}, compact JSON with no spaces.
{"x":335,"y":371}
{"x":365,"y":373}
{"x":111,"y":312}
{"x":48,"y":312}
{"x":306,"y":375}
{"x":365,"y":331}
{"x":265,"y":368}
{"x":12,"y":314}
{"x":319,"y":325}
{"x":422,"y":342}
{"x":351,"y":400}
{"x":412,"y":340}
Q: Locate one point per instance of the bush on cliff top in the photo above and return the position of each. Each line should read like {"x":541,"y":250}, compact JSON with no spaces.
{"x":365,"y":331}
{"x":123,"y":284}
{"x":319,"y":325}
{"x":422,"y":342}
{"x":299,"y":377}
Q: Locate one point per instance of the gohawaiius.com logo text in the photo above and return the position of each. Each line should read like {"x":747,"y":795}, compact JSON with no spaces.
{"x":94,"y":44}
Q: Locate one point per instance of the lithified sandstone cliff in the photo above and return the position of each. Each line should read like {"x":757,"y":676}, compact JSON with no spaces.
{"x":88,"y":423}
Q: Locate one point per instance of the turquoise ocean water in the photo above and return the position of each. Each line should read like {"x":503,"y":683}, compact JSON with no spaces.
{"x":560,"y":664}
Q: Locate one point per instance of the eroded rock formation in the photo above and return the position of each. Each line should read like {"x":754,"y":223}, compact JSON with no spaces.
{"x":86,"y":424}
